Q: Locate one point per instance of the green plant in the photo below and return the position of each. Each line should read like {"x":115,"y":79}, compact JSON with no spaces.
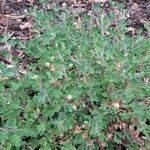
{"x":89,"y":88}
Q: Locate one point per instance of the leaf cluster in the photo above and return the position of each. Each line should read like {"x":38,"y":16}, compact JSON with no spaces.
{"x":89,"y":88}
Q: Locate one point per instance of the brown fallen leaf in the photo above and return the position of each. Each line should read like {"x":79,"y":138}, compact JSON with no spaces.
{"x":69,"y":97}
{"x":100,"y":143}
{"x":134,"y":7}
{"x":26,"y":25}
{"x":88,"y":141}
{"x":3,"y":23}
{"x":109,"y":136}
{"x":2,"y":4}
{"x":55,"y":82}
{"x":18,"y":1}
{"x":77,"y":130}
{"x":77,"y":23}
{"x":117,"y":66}
{"x":116,"y":104}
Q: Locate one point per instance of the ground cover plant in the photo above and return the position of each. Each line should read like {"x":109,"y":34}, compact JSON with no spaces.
{"x":83,"y":84}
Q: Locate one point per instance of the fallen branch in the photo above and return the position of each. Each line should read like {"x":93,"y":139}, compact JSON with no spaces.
{"x":14,"y":16}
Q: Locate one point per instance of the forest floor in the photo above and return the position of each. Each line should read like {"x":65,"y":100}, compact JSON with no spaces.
{"x":13,"y":19}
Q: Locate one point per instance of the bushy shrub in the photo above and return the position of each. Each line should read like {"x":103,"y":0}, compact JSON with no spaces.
{"x":88,"y":89}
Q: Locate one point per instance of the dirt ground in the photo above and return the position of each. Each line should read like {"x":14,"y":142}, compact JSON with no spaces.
{"x":12,"y":13}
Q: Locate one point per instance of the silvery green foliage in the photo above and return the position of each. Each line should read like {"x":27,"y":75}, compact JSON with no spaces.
{"x":89,"y":88}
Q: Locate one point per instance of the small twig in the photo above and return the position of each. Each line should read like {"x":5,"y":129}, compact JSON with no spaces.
{"x":9,"y":130}
{"x":14,"y":17}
